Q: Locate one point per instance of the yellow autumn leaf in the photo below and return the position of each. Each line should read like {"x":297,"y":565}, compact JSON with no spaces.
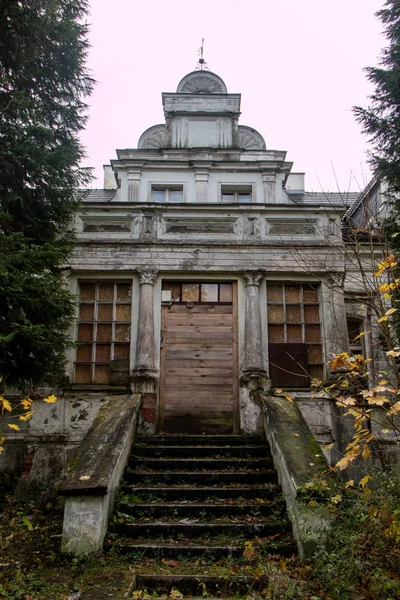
{"x":50,"y":399}
{"x":385,"y":430}
{"x":13,"y":426}
{"x":382,"y":319}
{"x":84,"y":477}
{"x":296,"y":435}
{"x":278,"y":391}
{"x":393,"y":353}
{"x":336,"y":499}
{"x":349,"y":483}
{"x":395,"y":409}
{"x":282,"y":565}
{"x":364,"y":481}
{"x":329,"y":446}
{"x":387,"y":296}
{"x":27,"y":416}
{"x":391,"y":311}
{"x":5,"y":403}
{"x":360,"y":335}
{"x":366,"y":453}
{"x":26,"y":403}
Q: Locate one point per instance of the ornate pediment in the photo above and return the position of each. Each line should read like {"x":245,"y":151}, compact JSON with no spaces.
{"x":154,"y":137}
{"x":201,"y":82}
{"x":250,"y":139}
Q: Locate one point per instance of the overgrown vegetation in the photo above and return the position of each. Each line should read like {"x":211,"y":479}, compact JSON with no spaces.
{"x":362,"y":560}
{"x":43,"y":48}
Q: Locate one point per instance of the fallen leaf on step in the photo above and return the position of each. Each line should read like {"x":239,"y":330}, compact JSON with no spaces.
{"x":170,"y":563}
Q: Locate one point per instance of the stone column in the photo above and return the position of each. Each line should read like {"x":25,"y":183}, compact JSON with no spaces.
{"x":253,"y":362}
{"x":145,"y":350}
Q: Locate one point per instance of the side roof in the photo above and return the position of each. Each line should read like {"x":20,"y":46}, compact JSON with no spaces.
{"x":331,"y":199}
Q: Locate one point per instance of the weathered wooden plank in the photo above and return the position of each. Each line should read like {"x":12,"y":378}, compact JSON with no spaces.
{"x":199,"y":328}
{"x":201,"y":354}
{"x":200,"y":309}
{"x":185,"y":397}
{"x":197,"y":363}
{"x":194,"y":344}
{"x":200,"y":372}
{"x":200,"y":385}
{"x":176,"y":335}
{"x":199,"y":319}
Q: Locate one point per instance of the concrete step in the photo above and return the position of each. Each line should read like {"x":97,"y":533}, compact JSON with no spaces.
{"x":215,"y":451}
{"x":198,"y":464}
{"x":201,"y":478}
{"x":179,"y":439}
{"x":156,"y":548}
{"x":200,"y":493}
{"x":200,"y":585}
{"x":203,"y":530}
{"x":179,"y":510}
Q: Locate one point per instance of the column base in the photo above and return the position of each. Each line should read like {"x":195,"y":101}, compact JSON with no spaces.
{"x":253,"y":383}
{"x":145,"y":383}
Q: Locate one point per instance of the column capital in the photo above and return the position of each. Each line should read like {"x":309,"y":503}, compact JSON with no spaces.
{"x":147,"y":276}
{"x":253,"y":277}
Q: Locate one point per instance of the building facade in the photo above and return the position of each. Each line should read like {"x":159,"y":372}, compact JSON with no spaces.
{"x":205,"y":275}
{"x":204,"y":271}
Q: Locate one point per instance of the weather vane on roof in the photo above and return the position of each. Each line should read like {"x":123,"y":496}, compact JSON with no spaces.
{"x":201,"y":62}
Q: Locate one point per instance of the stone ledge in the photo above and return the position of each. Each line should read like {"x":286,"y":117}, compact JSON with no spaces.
{"x":298,"y":459}
{"x":91,"y":469}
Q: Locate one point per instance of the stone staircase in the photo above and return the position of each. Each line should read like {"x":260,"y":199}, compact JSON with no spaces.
{"x":190,"y":502}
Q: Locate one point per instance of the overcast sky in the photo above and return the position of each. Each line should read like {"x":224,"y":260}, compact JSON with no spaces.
{"x":298,"y":65}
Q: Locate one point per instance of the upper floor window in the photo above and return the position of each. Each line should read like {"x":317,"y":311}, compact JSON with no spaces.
{"x":167,"y":194}
{"x":241,"y":194}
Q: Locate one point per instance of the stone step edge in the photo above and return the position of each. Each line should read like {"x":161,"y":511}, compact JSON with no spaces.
{"x":204,"y":488}
{"x":201,"y":506}
{"x":207,"y":459}
{"x":249,"y":472}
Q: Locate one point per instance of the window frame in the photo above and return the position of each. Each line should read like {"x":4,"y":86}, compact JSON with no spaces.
{"x":199,"y":283}
{"x":167,"y":188}
{"x":237,"y":190}
{"x":94,"y":342}
{"x":315,"y":367}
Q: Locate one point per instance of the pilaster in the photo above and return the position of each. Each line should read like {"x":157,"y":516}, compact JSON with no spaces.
{"x":134,"y":186}
{"x":269,"y":188}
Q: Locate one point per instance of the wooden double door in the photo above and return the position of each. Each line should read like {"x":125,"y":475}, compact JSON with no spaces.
{"x":199,"y":380}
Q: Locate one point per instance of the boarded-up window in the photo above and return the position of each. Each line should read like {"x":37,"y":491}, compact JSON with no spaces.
{"x":294,"y":334}
{"x":199,"y":293}
{"x":103,"y":333}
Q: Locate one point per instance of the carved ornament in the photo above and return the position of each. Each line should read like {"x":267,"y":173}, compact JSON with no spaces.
{"x":253,"y":277}
{"x":201,"y":82}
{"x":147,"y":276}
{"x":250,"y":139}
{"x":153,"y":138}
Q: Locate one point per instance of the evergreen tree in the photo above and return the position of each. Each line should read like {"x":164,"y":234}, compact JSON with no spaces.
{"x":381,"y":120}
{"x":43,"y":83}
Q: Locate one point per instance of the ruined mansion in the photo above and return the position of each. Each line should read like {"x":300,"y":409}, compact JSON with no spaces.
{"x":203,"y":272}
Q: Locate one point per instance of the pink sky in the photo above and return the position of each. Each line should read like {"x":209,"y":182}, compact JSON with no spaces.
{"x":298,"y":65}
